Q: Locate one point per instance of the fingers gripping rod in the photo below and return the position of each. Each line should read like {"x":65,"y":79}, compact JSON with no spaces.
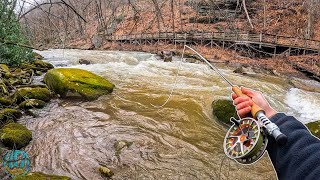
{"x":256,"y":111}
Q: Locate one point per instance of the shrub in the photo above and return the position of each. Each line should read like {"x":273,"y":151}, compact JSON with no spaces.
{"x":10,"y":31}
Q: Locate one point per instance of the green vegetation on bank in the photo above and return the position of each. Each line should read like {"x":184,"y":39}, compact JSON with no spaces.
{"x":10,"y":31}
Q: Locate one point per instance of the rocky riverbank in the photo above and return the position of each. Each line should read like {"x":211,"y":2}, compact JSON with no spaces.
{"x":19,"y":93}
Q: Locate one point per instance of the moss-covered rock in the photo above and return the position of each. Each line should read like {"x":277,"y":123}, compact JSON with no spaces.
{"x":314,"y":128}
{"x":5,"y":101}
{"x":23,"y":94}
{"x":37,"y":55}
{"x":40,"y":176}
{"x":85,"y":83}
{"x":14,"y":135}
{"x":42,"y":64}
{"x":9,"y":114}
{"x":105,"y":171}
{"x":223,"y":110}
{"x":32,"y":103}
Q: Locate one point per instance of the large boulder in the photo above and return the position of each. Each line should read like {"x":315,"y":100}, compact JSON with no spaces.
{"x":23,"y":94}
{"x":40,"y":176}
{"x":223,"y":110}
{"x":14,"y":135}
{"x":314,"y":128}
{"x":85,"y":83}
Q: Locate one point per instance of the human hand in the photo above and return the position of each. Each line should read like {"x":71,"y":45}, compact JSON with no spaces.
{"x":243,"y":104}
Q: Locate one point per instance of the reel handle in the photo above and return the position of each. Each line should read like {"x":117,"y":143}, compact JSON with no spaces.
{"x":254,"y":108}
{"x":258,"y":113}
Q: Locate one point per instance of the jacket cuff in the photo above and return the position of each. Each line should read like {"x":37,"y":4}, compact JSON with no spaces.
{"x":276,"y":117}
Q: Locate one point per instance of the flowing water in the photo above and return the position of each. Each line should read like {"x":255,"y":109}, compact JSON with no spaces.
{"x":179,"y":141}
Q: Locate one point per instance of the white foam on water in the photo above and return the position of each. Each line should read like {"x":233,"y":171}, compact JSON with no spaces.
{"x":305,"y":104}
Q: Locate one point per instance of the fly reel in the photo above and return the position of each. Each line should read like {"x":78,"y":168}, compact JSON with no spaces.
{"x":245,"y":141}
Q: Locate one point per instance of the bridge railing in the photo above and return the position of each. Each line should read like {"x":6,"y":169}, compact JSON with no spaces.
{"x":224,"y":36}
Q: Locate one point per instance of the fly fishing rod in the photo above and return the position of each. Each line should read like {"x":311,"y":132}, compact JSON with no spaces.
{"x":247,"y":140}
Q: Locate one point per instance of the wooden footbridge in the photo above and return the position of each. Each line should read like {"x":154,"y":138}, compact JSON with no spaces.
{"x":265,"y":43}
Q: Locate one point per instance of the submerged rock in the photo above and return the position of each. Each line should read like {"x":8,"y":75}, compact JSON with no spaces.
{"x":223,"y":110}
{"x":119,"y":145}
{"x":23,"y":94}
{"x":83,"y":61}
{"x":85,"y":83}
{"x":167,"y":56}
{"x":14,"y":135}
{"x":105,"y":171}
{"x":9,"y":114}
{"x":32,"y":103}
{"x":40,"y":176}
{"x":314,"y":128}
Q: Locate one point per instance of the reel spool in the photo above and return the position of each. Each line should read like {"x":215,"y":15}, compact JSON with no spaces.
{"x":245,"y":141}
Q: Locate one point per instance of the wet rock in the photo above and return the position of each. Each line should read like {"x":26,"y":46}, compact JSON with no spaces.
{"x":119,"y":145}
{"x":167,"y":56}
{"x":85,"y":83}
{"x":314,"y":128}
{"x":32,"y":103}
{"x":14,"y":135}
{"x":37,"y":56}
{"x":240,"y":70}
{"x":105,"y":171}
{"x":223,"y":110}
{"x":41,"y":176}
{"x":22,"y":94}
{"x":41,"y":65}
{"x":191,"y":60}
{"x":9,"y":114}
{"x":83,"y":61}
{"x":305,"y":85}
{"x":38,"y":73}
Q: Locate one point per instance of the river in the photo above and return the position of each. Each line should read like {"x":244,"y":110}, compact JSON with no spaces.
{"x":182,"y":140}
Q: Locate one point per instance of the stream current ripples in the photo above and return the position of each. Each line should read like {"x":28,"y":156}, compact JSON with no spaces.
{"x":179,"y":141}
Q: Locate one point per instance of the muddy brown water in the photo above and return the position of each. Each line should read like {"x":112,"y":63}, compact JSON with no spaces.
{"x":179,"y":141}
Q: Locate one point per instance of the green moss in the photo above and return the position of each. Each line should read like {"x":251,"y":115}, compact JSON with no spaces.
{"x":14,"y":135}
{"x":223,"y":110}
{"x":40,"y":176}
{"x":314,"y":128}
{"x":85,"y":83}
{"x":32,"y":103}
{"x":9,"y":114}
{"x":5,"y":101}
{"x":22,"y":94}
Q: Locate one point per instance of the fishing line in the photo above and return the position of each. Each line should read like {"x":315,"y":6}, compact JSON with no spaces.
{"x":175,"y":82}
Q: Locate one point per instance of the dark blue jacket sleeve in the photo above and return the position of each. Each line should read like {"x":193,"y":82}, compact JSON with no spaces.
{"x":300,"y":157}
